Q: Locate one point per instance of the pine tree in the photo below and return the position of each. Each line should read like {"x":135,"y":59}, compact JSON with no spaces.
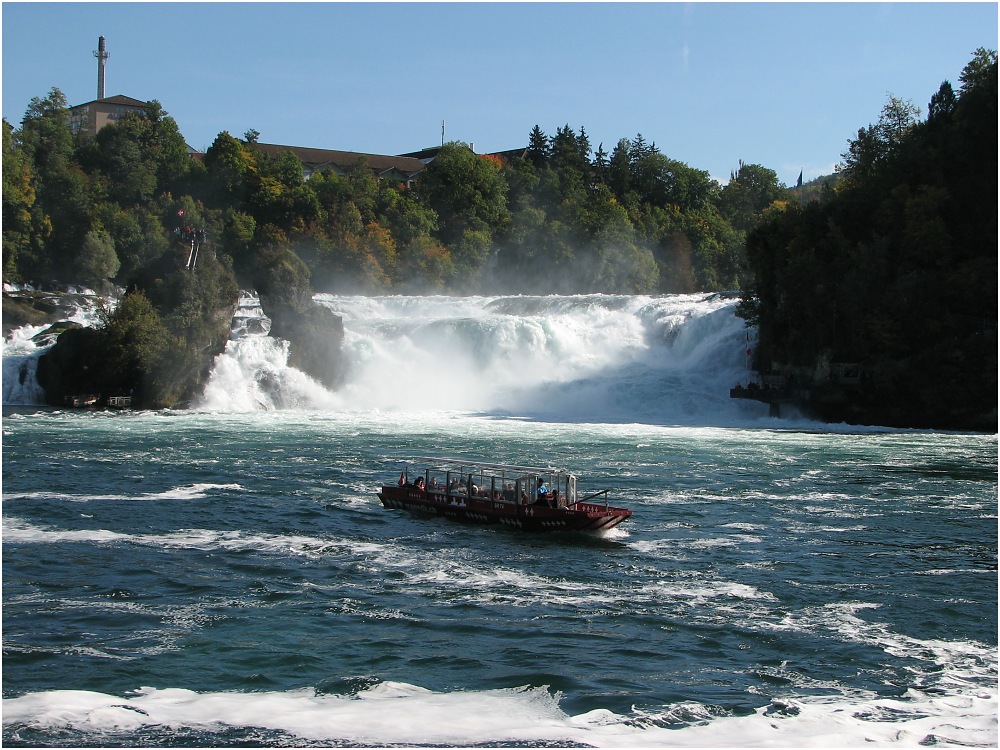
{"x":538,"y":148}
{"x":601,"y":166}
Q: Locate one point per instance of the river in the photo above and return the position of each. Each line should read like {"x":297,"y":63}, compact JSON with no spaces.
{"x":224,"y":575}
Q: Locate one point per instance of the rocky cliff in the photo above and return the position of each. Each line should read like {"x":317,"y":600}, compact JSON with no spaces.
{"x":315,"y":335}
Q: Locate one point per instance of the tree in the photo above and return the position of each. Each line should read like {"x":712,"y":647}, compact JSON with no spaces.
{"x":63,"y":199}
{"x":896,"y":269}
{"x":979,"y":71}
{"x":20,"y":229}
{"x":639,"y":149}
{"x":601,"y":166}
{"x":139,"y":352}
{"x":538,"y":148}
{"x":942,"y":104}
{"x":468,"y":194}
{"x":877,"y":143}
{"x":405,"y":216}
{"x":620,"y":169}
{"x":169,"y":149}
{"x":612,"y":259}
{"x":570,"y":160}
{"x":237,"y":236}
{"x":97,"y":261}
{"x":140,"y":155}
{"x":229,"y":167}
{"x":662,"y":181}
{"x":751,"y":189}
{"x":280,"y":274}
{"x":126,"y":157}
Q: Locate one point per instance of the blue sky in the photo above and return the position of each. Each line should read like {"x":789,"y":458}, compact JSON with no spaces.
{"x":784,"y":85}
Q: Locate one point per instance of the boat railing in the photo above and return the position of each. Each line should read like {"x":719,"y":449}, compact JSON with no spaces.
{"x":458,"y":479}
{"x":591,"y":496}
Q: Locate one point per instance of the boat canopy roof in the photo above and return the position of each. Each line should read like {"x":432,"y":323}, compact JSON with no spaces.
{"x":465,"y":464}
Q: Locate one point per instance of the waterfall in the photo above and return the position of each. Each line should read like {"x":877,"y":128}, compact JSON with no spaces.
{"x":600,"y":357}
{"x":23,"y":346}
{"x":584,"y":357}
{"x":252,"y":374}
{"x":20,"y":360}
{"x":597,"y":357}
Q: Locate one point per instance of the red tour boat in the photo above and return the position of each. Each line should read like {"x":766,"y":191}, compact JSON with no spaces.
{"x":522,"y":497}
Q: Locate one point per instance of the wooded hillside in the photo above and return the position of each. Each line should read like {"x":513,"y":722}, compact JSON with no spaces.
{"x":896,"y":268}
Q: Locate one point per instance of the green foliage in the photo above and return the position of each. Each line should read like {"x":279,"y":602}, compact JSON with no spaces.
{"x":897,"y":268}
{"x":538,"y":148}
{"x":878,"y":143}
{"x":131,"y":352}
{"x":97,"y":261}
{"x":561,"y":219}
{"x":62,"y":206}
{"x":280,"y":274}
{"x":229,"y":169}
{"x":750,"y":191}
{"x":22,"y":226}
{"x":135,"y":340}
{"x":469,"y":196}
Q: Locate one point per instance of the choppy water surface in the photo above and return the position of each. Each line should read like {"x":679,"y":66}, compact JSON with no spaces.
{"x":213,"y":578}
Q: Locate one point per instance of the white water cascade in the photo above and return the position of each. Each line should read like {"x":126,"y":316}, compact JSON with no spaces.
{"x":253,"y":373}
{"x":23,"y":346}
{"x":574,"y":358}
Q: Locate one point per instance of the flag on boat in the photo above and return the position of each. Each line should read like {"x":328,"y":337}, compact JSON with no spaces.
{"x":402,"y":478}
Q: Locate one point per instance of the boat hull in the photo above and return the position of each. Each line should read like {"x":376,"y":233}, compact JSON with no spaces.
{"x":589,"y":517}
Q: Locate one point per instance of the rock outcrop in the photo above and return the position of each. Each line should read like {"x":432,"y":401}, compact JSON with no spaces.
{"x":315,"y":335}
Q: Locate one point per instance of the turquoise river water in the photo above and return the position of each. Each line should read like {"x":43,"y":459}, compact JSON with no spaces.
{"x":224,"y":575}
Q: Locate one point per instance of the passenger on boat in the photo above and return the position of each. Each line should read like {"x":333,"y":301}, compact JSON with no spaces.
{"x":419,"y":484}
{"x":542,"y":493}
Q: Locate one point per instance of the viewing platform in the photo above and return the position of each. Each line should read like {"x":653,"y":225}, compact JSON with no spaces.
{"x":831,"y":384}
{"x":773,"y":397}
{"x":94,"y":401}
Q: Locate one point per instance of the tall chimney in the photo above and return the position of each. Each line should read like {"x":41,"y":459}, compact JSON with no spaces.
{"x":102,"y":55}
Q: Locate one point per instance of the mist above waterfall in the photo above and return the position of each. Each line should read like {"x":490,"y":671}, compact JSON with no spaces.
{"x":573,"y":358}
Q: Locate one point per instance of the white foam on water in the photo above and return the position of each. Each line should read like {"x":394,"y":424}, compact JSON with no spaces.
{"x":424,"y":571}
{"x":398,"y":713}
{"x":187,"y":492}
{"x":705,"y":590}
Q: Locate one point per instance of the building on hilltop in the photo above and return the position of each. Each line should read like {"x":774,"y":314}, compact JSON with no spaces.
{"x":402,"y":169}
{"x":90,"y":117}
{"x":426,"y":155}
{"x":510,"y":154}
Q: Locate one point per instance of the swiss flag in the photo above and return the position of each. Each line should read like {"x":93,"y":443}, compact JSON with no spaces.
{"x":402,"y":478}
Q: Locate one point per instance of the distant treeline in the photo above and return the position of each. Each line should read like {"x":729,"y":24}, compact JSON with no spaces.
{"x":562,"y":218}
{"x":896,"y":267}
